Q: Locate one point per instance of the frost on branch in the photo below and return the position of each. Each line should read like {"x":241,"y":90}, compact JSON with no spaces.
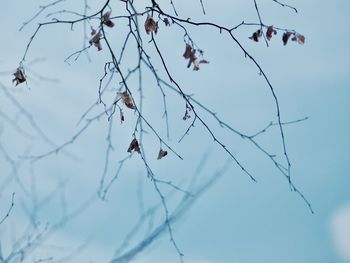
{"x":20,"y":76}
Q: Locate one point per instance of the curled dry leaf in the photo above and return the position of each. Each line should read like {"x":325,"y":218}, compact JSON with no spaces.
{"x":299,"y":38}
{"x":269,"y":32}
{"x":20,"y":77}
{"x":95,"y":39}
{"x":151,"y":25}
{"x":134,"y":146}
{"x":286,"y":37}
{"x":189,"y":53}
{"x":256,"y":35}
{"x":106,"y":20}
{"x":127,"y":100}
{"x":161,"y":154}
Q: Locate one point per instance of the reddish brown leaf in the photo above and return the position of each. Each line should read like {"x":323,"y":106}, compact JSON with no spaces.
{"x":95,"y":40}
{"x":106,"y":20}
{"x":161,"y":154}
{"x":188,"y":52}
{"x":269,"y":32}
{"x":134,"y":146}
{"x":20,"y":77}
{"x":127,"y":100}
{"x":151,"y":25}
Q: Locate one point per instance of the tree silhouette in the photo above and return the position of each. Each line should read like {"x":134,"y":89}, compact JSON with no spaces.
{"x":135,"y":85}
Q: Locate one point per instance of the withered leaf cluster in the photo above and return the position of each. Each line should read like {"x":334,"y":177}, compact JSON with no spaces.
{"x":20,"y":76}
{"x":190,"y":54}
{"x":272,"y":31}
{"x":151,"y":25}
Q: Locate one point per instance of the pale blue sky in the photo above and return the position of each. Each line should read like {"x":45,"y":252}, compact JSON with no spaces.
{"x":236,"y":221}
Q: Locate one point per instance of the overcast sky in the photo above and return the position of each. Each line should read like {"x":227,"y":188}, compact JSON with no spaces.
{"x":236,"y":220}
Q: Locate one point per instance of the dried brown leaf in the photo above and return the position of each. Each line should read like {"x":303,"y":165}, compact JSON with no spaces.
{"x":299,"y":38}
{"x":134,"y":146}
{"x":106,"y":20}
{"x":188,"y":51}
{"x":127,"y":100}
{"x":162,"y":154}
{"x":20,"y":77}
{"x":256,"y":35}
{"x":151,"y":25}
{"x":286,"y":37}
{"x":95,"y":40}
{"x":269,"y":32}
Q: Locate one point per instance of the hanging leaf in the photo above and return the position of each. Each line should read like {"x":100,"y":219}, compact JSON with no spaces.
{"x":127,"y":100}
{"x":95,"y":40}
{"x":299,"y":38}
{"x":134,"y":146}
{"x":151,"y":25}
{"x":285,"y":37}
{"x":256,"y":35}
{"x":20,"y":77}
{"x":269,"y":32}
{"x":166,"y":21}
{"x":161,"y":154}
{"x":106,"y":20}
{"x":198,"y":62}
{"x":190,"y":54}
